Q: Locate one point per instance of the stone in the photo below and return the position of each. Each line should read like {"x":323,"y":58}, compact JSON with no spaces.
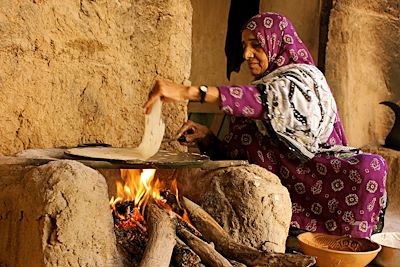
{"x":248,"y":201}
{"x":56,"y":215}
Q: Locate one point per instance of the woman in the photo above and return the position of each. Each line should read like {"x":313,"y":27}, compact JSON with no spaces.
{"x":287,"y":122}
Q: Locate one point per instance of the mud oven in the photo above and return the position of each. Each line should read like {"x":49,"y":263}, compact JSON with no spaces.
{"x":176,"y":209}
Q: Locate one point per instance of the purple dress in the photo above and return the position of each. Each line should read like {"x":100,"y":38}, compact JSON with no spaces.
{"x":341,"y":193}
{"x":337,"y":195}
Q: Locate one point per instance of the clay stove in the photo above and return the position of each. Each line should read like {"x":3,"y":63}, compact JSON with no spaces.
{"x":62,"y":214}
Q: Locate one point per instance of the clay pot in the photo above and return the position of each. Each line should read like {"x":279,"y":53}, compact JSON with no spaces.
{"x":342,"y":251}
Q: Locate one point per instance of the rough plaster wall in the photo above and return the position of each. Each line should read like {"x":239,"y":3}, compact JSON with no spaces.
{"x":78,"y":71}
{"x":209,"y":33}
{"x":61,"y":217}
{"x":362,"y":66}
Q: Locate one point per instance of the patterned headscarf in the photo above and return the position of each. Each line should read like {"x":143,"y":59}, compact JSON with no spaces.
{"x":279,"y":40}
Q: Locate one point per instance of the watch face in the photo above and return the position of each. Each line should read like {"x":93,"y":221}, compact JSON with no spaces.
{"x":203,"y":91}
{"x":203,"y":88}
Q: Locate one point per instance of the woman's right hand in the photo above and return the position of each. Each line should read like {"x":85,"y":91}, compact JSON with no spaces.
{"x":193,"y":132}
{"x":168,"y":91}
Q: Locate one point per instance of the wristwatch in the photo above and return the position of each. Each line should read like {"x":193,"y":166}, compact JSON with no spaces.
{"x":203,"y":89}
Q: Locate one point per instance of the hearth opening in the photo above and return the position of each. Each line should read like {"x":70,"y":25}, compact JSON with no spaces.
{"x":156,"y":226}
{"x":136,"y":189}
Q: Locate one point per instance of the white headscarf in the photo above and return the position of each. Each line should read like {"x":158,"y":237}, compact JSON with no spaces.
{"x":300,"y":107}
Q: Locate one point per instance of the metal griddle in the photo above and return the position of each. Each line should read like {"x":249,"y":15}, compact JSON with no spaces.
{"x":162,"y":160}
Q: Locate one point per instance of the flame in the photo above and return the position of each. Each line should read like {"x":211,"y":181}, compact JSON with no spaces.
{"x":137,"y":187}
{"x":174,"y":187}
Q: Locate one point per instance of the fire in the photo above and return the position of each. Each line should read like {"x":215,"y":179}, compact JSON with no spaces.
{"x":136,"y":189}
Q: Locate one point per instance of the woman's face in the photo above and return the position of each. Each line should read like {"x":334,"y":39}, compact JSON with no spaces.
{"x":254,"y":54}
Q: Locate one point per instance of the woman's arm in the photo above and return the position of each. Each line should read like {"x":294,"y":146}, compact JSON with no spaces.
{"x":241,"y":101}
{"x":236,"y":100}
{"x":247,"y":104}
{"x":169,"y":91}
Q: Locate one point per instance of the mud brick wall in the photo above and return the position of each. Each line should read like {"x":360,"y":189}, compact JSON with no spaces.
{"x":362,"y":66}
{"x":77,"y":71}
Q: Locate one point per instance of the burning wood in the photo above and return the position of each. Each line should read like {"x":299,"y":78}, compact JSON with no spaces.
{"x":184,"y":255}
{"x":127,"y":216}
{"x":168,"y":222}
{"x":161,"y":240}
{"x":130,"y":231}
{"x":206,"y":251}
{"x":131,"y":243}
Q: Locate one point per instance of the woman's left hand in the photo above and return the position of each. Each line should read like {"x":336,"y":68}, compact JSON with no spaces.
{"x":192,"y":132}
{"x":168,"y":91}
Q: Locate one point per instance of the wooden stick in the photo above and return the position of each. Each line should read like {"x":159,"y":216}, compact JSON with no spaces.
{"x":131,"y":242}
{"x":213,"y":232}
{"x":209,"y":256}
{"x":181,"y":223}
{"x":184,"y":256}
{"x":162,"y":235}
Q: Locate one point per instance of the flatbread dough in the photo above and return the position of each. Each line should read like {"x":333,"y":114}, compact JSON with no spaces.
{"x":153,"y":135}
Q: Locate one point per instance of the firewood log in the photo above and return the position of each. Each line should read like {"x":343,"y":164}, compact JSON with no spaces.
{"x":213,"y":232}
{"x":162,"y":235}
{"x":209,"y":256}
{"x":180,"y":223}
{"x":131,"y":243}
{"x":184,"y":256}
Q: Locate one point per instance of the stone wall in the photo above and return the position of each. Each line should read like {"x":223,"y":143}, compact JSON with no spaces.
{"x":363,"y":65}
{"x":77,"y":71}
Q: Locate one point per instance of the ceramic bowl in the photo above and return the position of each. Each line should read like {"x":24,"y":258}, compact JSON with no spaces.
{"x":389,"y":256}
{"x":332,"y":251}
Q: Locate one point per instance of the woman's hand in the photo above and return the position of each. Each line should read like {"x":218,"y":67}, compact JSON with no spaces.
{"x":168,"y":91}
{"x":193,"y":132}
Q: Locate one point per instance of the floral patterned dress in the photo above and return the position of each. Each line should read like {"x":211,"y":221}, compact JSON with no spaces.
{"x":335,"y":193}
{"x":287,"y":122}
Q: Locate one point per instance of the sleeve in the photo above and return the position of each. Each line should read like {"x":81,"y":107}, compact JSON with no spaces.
{"x":241,"y":101}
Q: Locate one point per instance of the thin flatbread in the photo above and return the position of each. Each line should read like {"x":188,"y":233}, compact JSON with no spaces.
{"x":153,"y":135}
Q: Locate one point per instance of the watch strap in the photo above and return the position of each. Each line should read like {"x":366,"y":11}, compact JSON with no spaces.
{"x":203,"y":92}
